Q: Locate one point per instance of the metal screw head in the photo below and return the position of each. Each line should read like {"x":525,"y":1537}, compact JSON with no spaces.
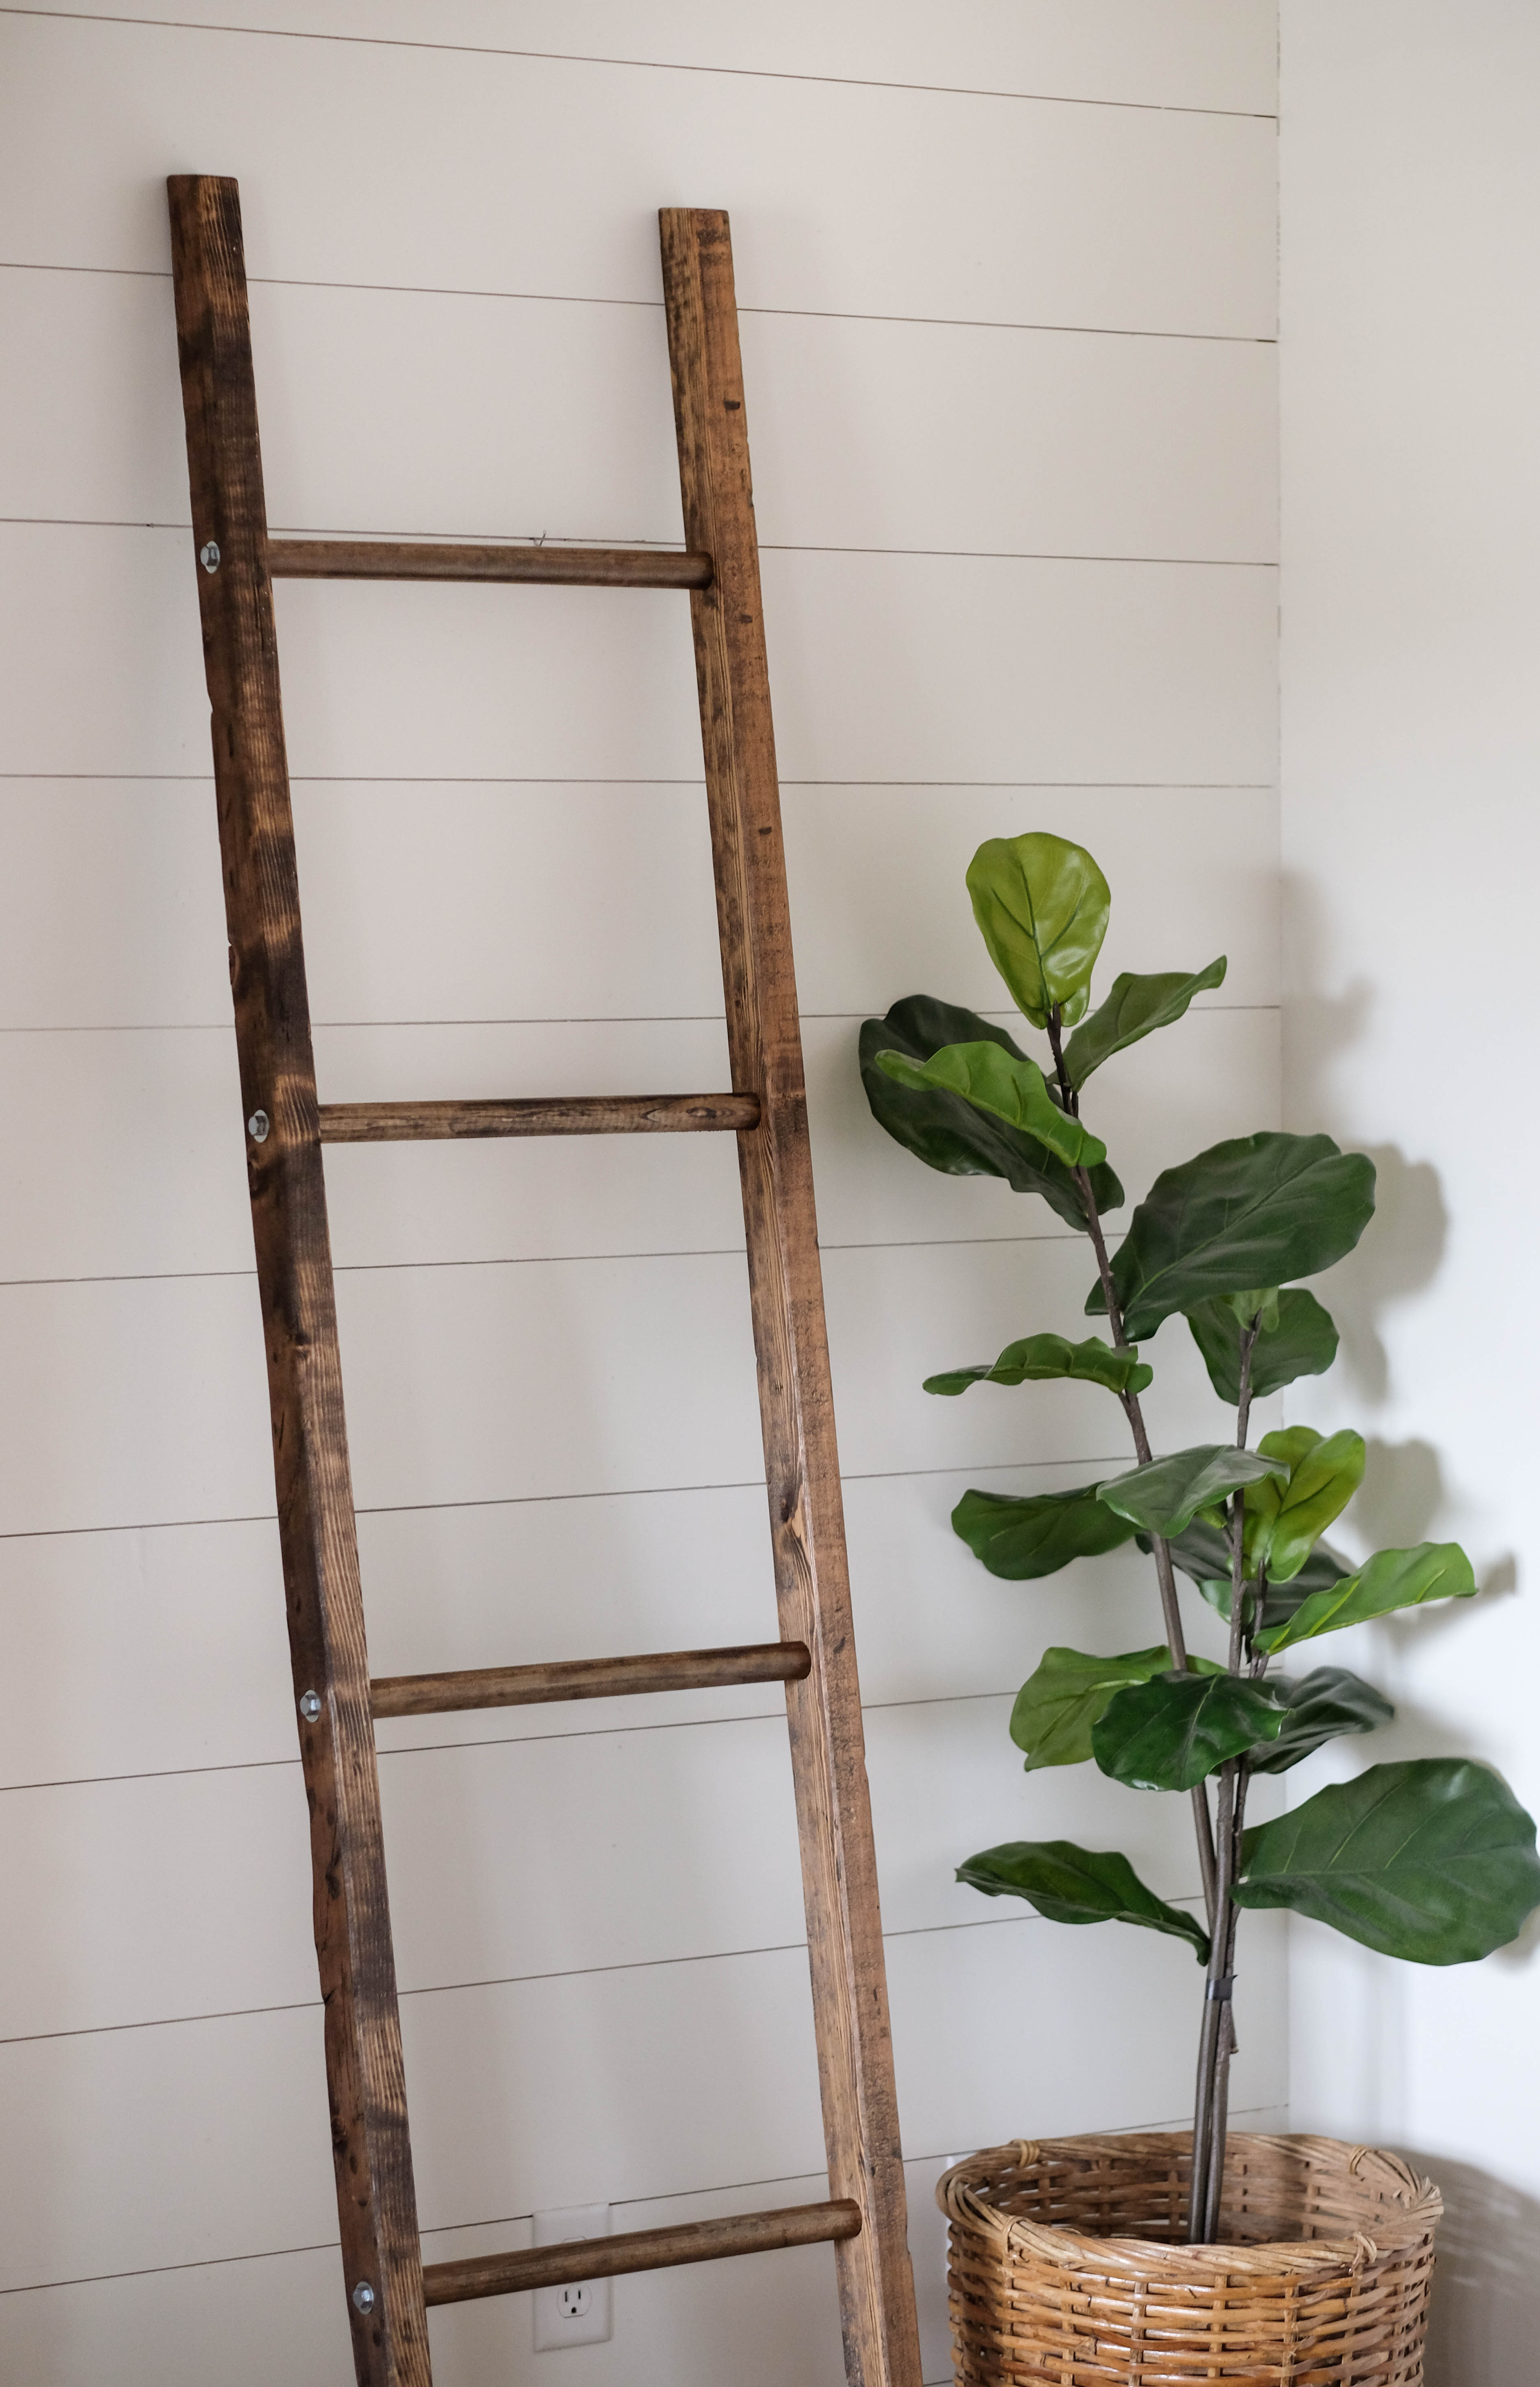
{"x":209,"y":556}
{"x":257,"y":1127}
{"x":310,"y":1705}
{"x":363,"y":2297}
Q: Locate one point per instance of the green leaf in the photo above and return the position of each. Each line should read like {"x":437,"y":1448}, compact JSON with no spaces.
{"x":1056,"y":1707}
{"x":1321,"y":1708}
{"x":1259,"y":1211}
{"x":1433,"y":1860}
{"x":1071,"y":1884}
{"x":1285,"y":1522}
{"x":947,"y":1133}
{"x":1038,"y":1356}
{"x":1164,"y":1497}
{"x":1303,"y":1343}
{"x":1135,"y":1007}
{"x":1203,"y":1552}
{"x":1023,"y":1539}
{"x":1014,"y":1090}
{"x":1392,"y":1579}
{"x":1257,"y":1306}
{"x":1042,"y":906}
{"x":1172,"y":1731}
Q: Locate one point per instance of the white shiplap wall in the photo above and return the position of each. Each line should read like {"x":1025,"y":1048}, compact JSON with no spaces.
{"x":1007,"y":281}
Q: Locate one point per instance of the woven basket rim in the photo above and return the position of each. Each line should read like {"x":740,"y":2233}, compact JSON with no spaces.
{"x":1072,"y":2249}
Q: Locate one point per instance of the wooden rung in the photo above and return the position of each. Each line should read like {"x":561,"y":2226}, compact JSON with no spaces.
{"x":560,"y":1115}
{"x":638,"y":2249}
{"x":561,"y":567}
{"x":590,"y":1678}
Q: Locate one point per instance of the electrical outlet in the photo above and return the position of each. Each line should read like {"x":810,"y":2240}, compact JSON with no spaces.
{"x":581,"y":2313}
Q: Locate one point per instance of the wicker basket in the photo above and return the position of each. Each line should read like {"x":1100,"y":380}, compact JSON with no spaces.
{"x":1066,"y":2263}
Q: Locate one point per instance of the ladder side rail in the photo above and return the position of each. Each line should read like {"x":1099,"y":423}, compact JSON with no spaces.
{"x":850,"y":1996}
{"x":375,"y":2197}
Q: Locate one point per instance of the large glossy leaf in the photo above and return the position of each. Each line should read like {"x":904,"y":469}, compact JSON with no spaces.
{"x":1173,"y":1731}
{"x":947,"y":1133}
{"x":1322,"y":1707}
{"x":1011,"y":1090}
{"x":1303,"y":1343}
{"x":1285,"y":1520}
{"x":1164,"y":1495}
{"x":1056,"y":1707}
{"x":1037,"y":1357}
{"x":1392,"y":1579}
{"x":1071,"y":1884}
{"x":1259,"y":1211}
{"x":1203,"y":1552}
{"x":1433,"y":1860}
{"x":1021,"y":1539}
{"x":1042,"y":906}
{"x":1134,"y":1009}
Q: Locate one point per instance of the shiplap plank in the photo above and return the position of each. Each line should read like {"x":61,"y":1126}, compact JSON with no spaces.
{"x":156,"y":1116}
{"x":1196,"y":53}
{"x":883,"y":667}
{"x":129,"y":1653}
{"x":281,"y":2317}
{"x":517,"y":418}
{"x":120,"y":2141}
{"x":143,"y":1400}
{"x":515,"y":1859}
{"x":430,"y":901}
{"x":1141,"y":220}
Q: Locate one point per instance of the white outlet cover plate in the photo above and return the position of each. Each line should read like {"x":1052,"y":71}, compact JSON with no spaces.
{"x":581,"y":2314}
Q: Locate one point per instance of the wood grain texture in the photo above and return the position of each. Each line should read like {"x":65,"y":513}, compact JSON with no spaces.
{"x":556,"y":567}
{"x":588,"y":1678}
{"x":640,"y":2249}
{"x":564,"y":1115}
{"x":375,"y":2196}
{"x":877,"y":2292}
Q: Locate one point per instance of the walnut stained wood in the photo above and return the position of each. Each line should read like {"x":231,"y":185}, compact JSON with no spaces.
{"x":850,"y":1990}
{"x":640,"y":2249}
{"x":376,"y":2201}
{"x":384,"y":2278}
{"x":551,"y":567}
{"x":556,"y":1114}
{"x":588,"y":1678}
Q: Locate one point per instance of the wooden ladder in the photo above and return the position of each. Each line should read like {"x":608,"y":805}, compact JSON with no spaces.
{"x":386,"y":2284}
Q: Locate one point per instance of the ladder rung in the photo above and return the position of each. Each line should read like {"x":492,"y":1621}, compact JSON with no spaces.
{"x":638,"y":2249}
{"x":563,"y":567}
{"x":558,"y":1115}
{"x":590,"y":1678}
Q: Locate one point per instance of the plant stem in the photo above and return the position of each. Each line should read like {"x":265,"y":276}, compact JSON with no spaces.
{"x":1176,"y":1640}
{"x":1217,"y":2038}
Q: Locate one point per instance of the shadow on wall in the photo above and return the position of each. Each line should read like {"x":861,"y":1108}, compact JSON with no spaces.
{"x":1485,"y":2317}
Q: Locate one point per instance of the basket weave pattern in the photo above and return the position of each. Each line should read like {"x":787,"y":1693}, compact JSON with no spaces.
{"x":1067,"y":2265}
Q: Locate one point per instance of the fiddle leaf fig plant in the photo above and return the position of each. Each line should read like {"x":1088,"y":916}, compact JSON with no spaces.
{"x":1430,"y":1860}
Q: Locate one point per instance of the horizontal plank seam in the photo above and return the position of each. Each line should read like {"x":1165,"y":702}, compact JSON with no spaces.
{"x":509,"y":2220}
{"x":650,"y":65}
{"x":534,"y":1500}
{"x":549,"y":1019}
{"x":520,"y":544}
{"x":607,"y":1731}
{"x":492,"y":1741}
{"x":528,"y":1259}
{"x":502,"y":779}
{"x":573,"y":298}
{"x":527,"y":1980}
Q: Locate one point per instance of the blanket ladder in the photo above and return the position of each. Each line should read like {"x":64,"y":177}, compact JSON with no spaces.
{"x":387,"y":2285}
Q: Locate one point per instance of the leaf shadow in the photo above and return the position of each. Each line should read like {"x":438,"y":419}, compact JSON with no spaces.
{"x":1400,"y":1495}
{"x":1399,"y":1254}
